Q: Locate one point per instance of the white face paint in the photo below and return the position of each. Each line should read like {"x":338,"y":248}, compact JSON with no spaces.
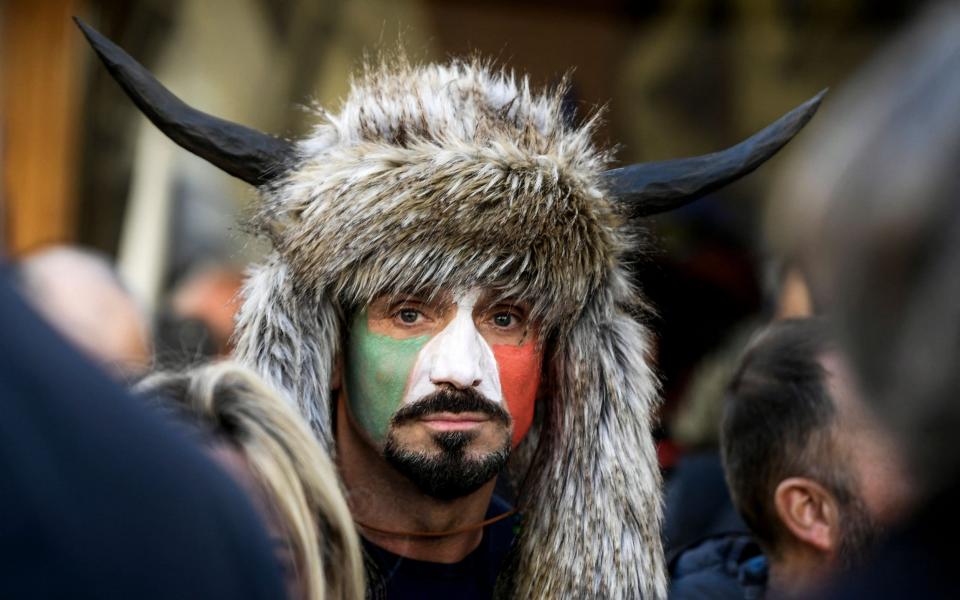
{"x":457,"y":356}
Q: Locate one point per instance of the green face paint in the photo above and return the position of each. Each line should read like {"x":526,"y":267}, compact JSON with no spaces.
{"x":377,"y":369}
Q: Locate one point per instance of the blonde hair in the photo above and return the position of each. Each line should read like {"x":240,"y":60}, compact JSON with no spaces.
{"x":288,"y":463}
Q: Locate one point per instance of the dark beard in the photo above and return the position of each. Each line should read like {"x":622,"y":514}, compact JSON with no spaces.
{"x":450,"y":474}
{"x":859,"y":534}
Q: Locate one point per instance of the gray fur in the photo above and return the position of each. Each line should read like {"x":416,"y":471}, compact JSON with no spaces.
{"x":458,"y":175}
{"x":292,"y":339}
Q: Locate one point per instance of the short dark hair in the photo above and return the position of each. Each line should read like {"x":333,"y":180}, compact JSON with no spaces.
{"x":777,"y":422}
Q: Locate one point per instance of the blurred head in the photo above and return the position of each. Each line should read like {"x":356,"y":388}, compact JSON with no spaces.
{"x":811,"y":471}
{"x":265,"y":445}
{"x":443,"y":384}
{"x":79,"y":293}
{"x":208,"y":294}
{"x":875,"y":195}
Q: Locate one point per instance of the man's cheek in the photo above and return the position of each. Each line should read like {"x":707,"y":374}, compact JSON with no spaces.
{"x":519,"y":370}
{"x":377,"y":370}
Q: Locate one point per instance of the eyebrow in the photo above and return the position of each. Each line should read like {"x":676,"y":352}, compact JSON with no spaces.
{"x":424,"y":295}
{"x":493,"y":298}
{"x":390,"y":299}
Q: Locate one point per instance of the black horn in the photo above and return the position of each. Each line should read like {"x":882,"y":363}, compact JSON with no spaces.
{"x":649,"y":188}
{"x":250,"y":155}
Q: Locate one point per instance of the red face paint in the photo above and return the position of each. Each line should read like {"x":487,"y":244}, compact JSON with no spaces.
{"x":519,"y":368}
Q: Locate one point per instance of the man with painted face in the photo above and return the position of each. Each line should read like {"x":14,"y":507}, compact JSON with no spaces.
{"x":437,"y":390}
{"x":448,"y":293}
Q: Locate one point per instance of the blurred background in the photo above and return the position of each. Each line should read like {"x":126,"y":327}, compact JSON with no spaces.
{"x":80,"y":165}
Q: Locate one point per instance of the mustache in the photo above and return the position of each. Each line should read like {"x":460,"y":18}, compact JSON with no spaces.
{"x":452,"y":401}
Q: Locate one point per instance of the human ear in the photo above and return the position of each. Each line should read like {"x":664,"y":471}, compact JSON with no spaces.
{"x":808,"y":511}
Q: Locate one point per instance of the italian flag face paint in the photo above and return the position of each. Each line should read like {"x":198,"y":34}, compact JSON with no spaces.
{"x":382,"y":371}
{"x":519,"y":370}
{"x":377,"y":370}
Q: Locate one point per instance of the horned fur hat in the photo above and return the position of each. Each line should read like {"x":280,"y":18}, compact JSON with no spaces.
{"x":461,"y":175}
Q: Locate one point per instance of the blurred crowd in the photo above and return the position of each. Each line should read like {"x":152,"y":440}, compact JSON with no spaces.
{"x":826,"y":464}
{"x":811,"y":455}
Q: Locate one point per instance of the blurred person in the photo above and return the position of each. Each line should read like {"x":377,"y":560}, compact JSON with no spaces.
{"x":449,"y":268}
{"x":267,"y":447}
{"x":103,"y":498}
{"x":196,"y":322}
{"x":79,"y":292}
{"x":814,"y":474}
{"x":697,"y":502}
{"x":873,"y":202}
{"x":209,"y":294}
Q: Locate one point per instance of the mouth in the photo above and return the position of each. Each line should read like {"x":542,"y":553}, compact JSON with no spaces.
{"x":449,"y":421}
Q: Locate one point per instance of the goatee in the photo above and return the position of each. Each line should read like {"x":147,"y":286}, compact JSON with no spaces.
{"x":451,"y":473}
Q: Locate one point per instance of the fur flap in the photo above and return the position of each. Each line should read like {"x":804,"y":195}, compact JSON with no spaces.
{"x":592,"y":504}
{"x":292,"y":339}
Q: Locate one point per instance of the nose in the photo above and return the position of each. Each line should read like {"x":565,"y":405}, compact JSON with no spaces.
{"x":461,"y":355}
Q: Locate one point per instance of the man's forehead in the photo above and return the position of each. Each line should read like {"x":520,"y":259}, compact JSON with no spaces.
{"x":479,"y":295}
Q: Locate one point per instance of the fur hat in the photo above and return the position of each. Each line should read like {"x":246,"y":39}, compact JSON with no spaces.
{"x":461,"y":175}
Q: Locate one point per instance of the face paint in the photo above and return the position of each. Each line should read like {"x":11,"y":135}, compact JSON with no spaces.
{"x":458,"y":355}
{"x":377,"y":370}
{"x":519,"y":368}
{"x":383,"y":373}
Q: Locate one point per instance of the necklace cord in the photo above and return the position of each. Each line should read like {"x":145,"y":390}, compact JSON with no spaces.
{"x":438,"y":534}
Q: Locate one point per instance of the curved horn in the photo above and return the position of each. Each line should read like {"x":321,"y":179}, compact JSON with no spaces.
{"x":254,"y":157}
{"x":650,"y":188}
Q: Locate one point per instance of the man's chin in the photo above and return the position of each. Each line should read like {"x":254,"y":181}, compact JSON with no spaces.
{"x":450,"y":471}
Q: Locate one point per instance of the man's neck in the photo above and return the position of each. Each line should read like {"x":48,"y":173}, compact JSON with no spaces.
{"x":381,"y":497}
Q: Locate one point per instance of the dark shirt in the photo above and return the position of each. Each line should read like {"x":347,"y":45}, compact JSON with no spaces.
{"x":473,"y":578}
{"x":100,"y":497}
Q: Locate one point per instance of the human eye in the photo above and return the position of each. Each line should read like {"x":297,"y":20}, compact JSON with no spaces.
{"x":402,"y":316}
{"x":409,"y":313}
{"x":506,"y":317}
{"x":408,"y":316}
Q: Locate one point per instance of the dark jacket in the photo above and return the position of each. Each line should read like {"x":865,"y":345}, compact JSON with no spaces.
{"x":698,"y":505}
{"x":710,"y":552}
{"x":724,"y":567}
{"x":99,"y":497}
